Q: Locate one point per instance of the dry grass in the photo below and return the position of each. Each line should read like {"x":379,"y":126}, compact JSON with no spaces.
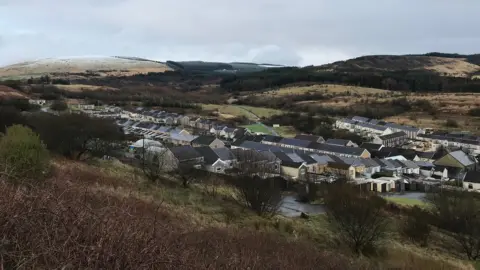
{"x":8,"y":92}
{"x":252,"y":113}
{"x":84,"y":87}
{"x":322,"y":88}
{"x":456,"y":67}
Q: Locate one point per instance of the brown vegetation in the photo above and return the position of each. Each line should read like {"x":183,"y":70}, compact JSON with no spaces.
{"x":8,"y":92}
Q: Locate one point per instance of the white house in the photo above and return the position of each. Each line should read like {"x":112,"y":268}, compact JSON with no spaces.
{"x":471,"y":181}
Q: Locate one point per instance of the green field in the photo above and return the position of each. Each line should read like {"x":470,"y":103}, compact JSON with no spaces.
{"x":406,"y":201}
{"x":258,"y":128}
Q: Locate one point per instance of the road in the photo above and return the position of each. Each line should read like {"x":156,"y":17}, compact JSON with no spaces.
{"x":256,"y":118}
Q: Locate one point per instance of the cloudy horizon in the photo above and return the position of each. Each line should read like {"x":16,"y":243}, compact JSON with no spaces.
{"x":304,"y":32}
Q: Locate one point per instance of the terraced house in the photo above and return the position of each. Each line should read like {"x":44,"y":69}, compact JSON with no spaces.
{"x":392,"y":139}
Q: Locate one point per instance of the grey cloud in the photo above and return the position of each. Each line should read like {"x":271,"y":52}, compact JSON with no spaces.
{"x":302,"y":32}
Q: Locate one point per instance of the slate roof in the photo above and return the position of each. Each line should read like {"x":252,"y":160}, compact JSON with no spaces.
{"x":204,"y":140}
{"x":352,"y":161}
{"x":272,"y":138}
{"x":360,"y":119}
{"x":427,"y":155}
{"x":406,"y":128}
{"x":310,"y":138}
{"x":338,"y":165}
{"x":424,"y":164}
{"x":185,"y":153}
{"x":371,"y":146}
{"x":472,"y":177}
{"x":396,"y":163}
{"x":373,"y":121}
{"x":463,"y":158}
{"x":261,"y":146}
{"x":321,"y":159}
{"x":209,"y":156}
{"x":393,"y":135}
{"x":182,"y":137}
{"x":369,"y":162}
{"x":306,"y":158}
{"x":295,"y":142}
{"x":337,"y":142}
{"x":348,"y":121}
{"x":372,"y":126}
{"x":224,"y":153}
{"x":409,"y":164}
{"x":354,"y":151}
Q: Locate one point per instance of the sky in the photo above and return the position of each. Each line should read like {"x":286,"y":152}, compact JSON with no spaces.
{"x":301,"y":32}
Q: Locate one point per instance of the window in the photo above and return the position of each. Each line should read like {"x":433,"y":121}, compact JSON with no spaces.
{"x":470,"y":186}
{"x":218,"y":169}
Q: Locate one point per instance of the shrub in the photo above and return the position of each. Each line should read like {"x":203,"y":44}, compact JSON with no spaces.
{"x":474,"y":112}
{"x":451,"y":123}
{"x":416,"y":227}
{"x":23,"y":156}
{"x":59,"y":105}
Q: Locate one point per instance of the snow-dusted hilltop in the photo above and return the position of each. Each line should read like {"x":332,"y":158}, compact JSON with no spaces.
{"x":79,"y":64}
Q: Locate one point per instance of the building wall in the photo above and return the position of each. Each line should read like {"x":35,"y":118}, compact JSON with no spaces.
{"x":289,"y":172}
{"x":365,"y":154}
{"x":475,"y":186}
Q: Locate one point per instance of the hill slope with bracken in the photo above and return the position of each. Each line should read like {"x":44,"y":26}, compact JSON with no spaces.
{"x":94,"y":65}
{"x":8,"y":92}
{"x":442,"y":64}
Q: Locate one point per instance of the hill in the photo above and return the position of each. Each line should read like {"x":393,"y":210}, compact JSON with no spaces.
{"x":91,"y":65}
{"x":8,"y":92}
{"x":442,"y":64}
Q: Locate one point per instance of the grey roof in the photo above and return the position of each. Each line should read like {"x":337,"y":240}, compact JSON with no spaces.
{"x":348,"y":121}
{"x":209,"y":156}
{"x":369,"y":162}
{"x":185,"y":153}
{"x":360,"y":119}
{"x":322,"y":159}
{"x":424,"y":164}
{"x":182,"y":137}
{"x":337,"y":142}
{"x":260,"y":146}
{"x":371,"y":146}
{"x":311,"y":138}
{"x":409,"y":164}
{"x":372,"y":126}
{"x":472,"y":177}
{"x":393,"y":135}
{"x":463,"y":158}
{"x":396,"y":163}
{"x":306,"y":158}
{"x":295,"y":142}
{"x":352,"y":161}
{"x":373,"y":121}
{"x":405,"y":128}
{"x":224,"y":153}
{"x":354,"y":151}
{"x":272,"y":138}
{"x":204,"y":140}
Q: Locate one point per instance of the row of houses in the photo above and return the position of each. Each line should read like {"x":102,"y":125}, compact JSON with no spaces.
{"x":375,"y":128}
{"x":464,"y":141}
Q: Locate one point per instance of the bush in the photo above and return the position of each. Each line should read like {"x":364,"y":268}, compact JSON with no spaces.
{"x":23,"y":156}
{"x":474,"y":112}
{"x":416,"y":227}
{"x":451,"y":123}
{"x":59,"y":105}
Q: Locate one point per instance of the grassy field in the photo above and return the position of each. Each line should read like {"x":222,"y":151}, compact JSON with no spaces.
{"x":84,"y":87}
{"x":406,"y":201}
{"x":252,"y":113}
{"x":286,"y":131}
{"x":323,"y":88}
{"x":258,"y":128}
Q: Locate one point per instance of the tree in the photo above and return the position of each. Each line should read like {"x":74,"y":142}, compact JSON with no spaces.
{"x":59,"y":105}
{"x":417,"y":226}
{"x":77,"y":136}
{"x":255,"y":182}
{"x":23,"y":156}
{"x":458,"y":213}
{"x":358,"y":217}
{"x":451,"y":123}
{"x":156,"y":164}
{"x":10,"y":116}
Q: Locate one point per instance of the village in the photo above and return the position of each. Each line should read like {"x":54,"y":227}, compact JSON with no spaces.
{"x":394,"y":158}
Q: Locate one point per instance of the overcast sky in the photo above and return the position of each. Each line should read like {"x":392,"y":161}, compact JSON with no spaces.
{"x":301,"y":32}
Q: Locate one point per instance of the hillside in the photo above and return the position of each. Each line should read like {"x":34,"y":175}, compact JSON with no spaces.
{"x":8,"y":92}
{"x":442,"y":64}
{"x":94,"y":65}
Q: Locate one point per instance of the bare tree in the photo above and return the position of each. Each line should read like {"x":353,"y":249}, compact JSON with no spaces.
{"x":255,"y":181}
{"x":357,"y":217}
{"x":156,"y":164}
{"x":458,"y":213}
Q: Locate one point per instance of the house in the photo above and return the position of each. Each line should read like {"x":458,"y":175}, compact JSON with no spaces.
{"x":228,"y":133}
{"x":371,"y":167}
{"x":262,"y":163}
{"x":409,"y":167}
{"x":290,"y":167}
{"x":184,"y":121}
{"x":345,"y":124}
{"x":193,"y":121}
{"x":360,"y":119}
{"x":226,"y":155}
{"x":181,"y":139}
{"x":368,"y":129}
{"x":216,"y":129}
{"x":456,"y":159}
{"x":391,"y":140}
{"x":40,"y":102}
{"x":338,"y":150}
{"x":186,"y":155}
{"x":212,"y":161}
{"x":412,"y":132}
{"x":294,"y":144}
{"x":310,"y":138}
{"x":341,"y":169}
{"x":271,"y":139}
{"x":205,"y":140}
{"x":341,"y":142}
{"x":204,"y":124}
{"x":471,"y":181}
{"x":372,"y":146}
{"x":356,"y":163}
